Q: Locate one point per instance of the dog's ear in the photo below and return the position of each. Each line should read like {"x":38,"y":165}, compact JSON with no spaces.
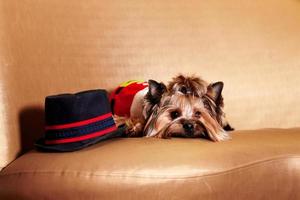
{"x":214,"y":90}
{"x":155,"y":91}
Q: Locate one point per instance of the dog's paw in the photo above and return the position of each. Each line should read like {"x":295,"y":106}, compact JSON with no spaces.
{"x":135,"y":130}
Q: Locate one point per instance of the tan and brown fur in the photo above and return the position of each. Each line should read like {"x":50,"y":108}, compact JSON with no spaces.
{"x":209,"y":94}
{"x":186,"y":107}
{"x":183,"y":116}
{"x":187,"y":85}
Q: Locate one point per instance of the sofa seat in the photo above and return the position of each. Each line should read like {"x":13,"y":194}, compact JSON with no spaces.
{"x":255,"y":164}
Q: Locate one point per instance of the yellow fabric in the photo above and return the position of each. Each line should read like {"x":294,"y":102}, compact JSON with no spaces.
{"x":130,"y":82}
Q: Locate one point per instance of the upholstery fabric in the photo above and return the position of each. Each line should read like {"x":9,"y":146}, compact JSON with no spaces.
{"x":253,"y":165}
{"x":57,"y":46}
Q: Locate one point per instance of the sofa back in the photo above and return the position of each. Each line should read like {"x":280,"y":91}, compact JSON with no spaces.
{"x":59,"y":46}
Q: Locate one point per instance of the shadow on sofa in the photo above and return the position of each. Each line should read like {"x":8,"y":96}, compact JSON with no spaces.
{"x":31,"y":122}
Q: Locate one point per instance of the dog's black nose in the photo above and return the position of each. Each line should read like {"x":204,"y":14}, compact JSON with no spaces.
{"x":188,"y":127}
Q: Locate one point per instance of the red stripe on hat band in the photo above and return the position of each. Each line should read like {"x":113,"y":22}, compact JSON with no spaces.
{"x":80,"y":138}
{"x":80,"y":123}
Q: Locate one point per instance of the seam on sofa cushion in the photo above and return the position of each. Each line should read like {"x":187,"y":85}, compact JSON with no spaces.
{"x":174,"y":176}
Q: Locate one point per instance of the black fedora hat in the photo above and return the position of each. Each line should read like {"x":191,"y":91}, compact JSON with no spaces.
{"x":75,"y":121}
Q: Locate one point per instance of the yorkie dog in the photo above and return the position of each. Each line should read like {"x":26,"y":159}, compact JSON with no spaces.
{"x":186,"y":107}
{"x":210,"y":94}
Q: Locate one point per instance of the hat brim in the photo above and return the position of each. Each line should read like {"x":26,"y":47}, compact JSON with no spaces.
{"x":74,"y":146}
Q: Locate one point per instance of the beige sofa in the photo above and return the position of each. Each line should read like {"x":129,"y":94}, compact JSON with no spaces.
{"x":58,"y":46}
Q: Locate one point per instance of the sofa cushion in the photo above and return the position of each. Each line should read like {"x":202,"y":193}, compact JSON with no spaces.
{"x":260,"y":164}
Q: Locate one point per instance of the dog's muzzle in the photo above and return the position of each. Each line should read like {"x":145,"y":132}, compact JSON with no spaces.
{"x":188,"y":128}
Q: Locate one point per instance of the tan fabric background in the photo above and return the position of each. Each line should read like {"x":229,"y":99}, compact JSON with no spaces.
{"x":49,"y":47}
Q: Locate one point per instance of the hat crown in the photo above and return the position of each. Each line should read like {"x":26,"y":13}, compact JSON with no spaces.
{"x":69,"y":108}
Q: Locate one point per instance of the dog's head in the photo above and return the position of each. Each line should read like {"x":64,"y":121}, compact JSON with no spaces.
{"x":188,"y":108}
{"x":210,"y":94}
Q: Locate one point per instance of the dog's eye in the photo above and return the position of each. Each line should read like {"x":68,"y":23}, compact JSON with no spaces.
{"x":174,"y":114}
{"x":197,"y":114}
{"x":183,"y":90}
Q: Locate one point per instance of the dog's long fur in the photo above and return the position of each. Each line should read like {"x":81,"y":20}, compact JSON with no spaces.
{"x":211,"y":95}
{"x":186,"y":107}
